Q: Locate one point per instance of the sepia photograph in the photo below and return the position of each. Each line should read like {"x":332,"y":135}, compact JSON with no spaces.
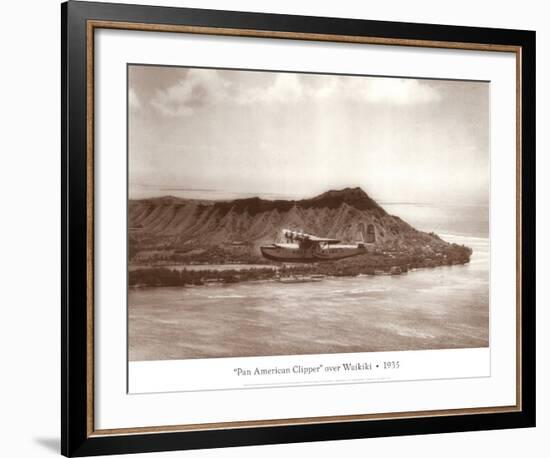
{"x":280,"y":213}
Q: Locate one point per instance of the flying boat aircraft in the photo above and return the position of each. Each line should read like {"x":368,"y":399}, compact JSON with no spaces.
{"x":302,"y":247}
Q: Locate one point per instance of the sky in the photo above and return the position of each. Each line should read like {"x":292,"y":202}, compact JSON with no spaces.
{"x":212,"y":133}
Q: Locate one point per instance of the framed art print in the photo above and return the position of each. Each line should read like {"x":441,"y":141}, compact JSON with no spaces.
{"x":287,"y":228}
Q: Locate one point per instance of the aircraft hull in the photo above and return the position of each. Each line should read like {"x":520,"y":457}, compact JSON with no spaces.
{"x":275,"y":253}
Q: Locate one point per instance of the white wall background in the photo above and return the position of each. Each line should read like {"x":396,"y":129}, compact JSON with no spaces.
{"x":30,"y":227}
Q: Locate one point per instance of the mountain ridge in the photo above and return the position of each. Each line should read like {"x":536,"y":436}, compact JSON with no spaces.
{"x":184,"y":229}
{"x":332,"y":198}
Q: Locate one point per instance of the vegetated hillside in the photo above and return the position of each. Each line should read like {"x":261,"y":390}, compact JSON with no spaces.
{"x":174,"y":229}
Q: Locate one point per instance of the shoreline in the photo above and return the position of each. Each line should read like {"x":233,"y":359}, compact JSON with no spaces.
{"x":380,"y":263}
{"x":165,"y":277}
{"x":275,"y":279}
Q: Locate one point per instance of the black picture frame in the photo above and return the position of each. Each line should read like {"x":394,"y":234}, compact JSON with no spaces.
{"x":78,"y":437}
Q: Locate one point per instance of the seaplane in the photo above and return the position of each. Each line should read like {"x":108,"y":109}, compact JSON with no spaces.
{"x":302,"y":247}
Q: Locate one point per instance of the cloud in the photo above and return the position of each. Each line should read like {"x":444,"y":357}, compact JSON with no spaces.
{"x":393,"y":91}
{"x":133,"y":100}
{"x":201,"y":88}
{"x":401,"y":91}
{"x":197,"y":89}
{"x":286,"y":88}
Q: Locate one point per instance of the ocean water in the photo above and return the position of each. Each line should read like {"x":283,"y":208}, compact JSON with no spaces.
{"x":468,"y":220}
{"x":438,"y":308}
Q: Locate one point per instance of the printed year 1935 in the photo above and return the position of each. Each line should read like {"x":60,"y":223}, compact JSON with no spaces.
{"x":391,"y":364}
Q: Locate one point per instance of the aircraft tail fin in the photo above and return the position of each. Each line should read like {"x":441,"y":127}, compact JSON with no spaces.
{"x":361,"y":232}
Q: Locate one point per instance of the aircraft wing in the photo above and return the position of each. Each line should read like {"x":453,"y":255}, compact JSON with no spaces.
{"x":295,"y":235}
{"x":314,"y":238}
